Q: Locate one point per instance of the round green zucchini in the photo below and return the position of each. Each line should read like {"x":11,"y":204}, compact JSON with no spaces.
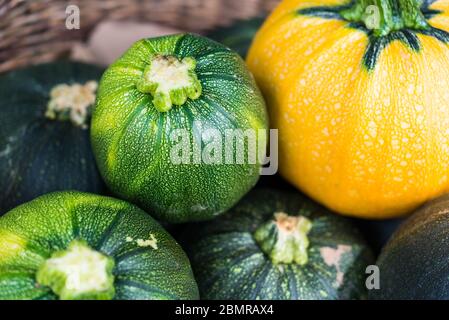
{"x":414,"y":263}
{"x":44,"y":135}
{"x":73,"y":245}
{"x":282,"y":246}
{"x":163,"y":113}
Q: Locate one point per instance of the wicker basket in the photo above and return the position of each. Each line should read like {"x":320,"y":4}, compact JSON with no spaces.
{"x":33,"y":31}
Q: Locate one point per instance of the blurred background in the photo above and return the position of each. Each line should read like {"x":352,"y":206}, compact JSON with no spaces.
{"x":37,"y":31}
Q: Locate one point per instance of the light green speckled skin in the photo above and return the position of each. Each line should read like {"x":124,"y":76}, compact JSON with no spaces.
{"x":228,"y":263}
{"x":30,"y":233}
{"x":131,"y":139}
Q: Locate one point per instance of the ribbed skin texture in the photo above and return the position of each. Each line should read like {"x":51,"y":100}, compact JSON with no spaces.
{"x":39,"y":155}
{"x":132,"y":141}
{"x":363,"y":121}
{"x":30,"y":233}
{"x":229,"y":264}
{"x":414,"y":263}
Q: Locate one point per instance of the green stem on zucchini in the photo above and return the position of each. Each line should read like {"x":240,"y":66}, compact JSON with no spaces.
{"x":79,"y":272}
{"x":284,"y":239}
{"x":170,"y":81}
{"x":72,"y":102}
{"x":385,"y":16}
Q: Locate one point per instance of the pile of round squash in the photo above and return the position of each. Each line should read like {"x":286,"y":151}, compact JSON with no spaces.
{"x":358,"y":93}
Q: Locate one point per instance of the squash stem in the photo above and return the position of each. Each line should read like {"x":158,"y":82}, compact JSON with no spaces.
{"x":284,"y":239}
{"x":72,"y":102}
{"x":386,"y":16}
{"x":170,"y":81}
{"x":78,"y":273}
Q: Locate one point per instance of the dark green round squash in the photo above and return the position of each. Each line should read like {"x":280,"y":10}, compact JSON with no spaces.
{"x":74,"y":245}
{"x":163,"y":114}
{"x":41,"y":150}
{"x":415,"y":262}
{"x":239,"y":35}
{"x":275,"y":245}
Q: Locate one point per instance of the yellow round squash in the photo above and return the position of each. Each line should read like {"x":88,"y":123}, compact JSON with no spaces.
{"x":359,"y":91}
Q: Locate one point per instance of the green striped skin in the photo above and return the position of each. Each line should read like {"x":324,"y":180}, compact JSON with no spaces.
{"x":414,"y":263}
{"x":39,"y":155}
{"x":32,"y":232}
{"x":229,"y":264}
{"x":131,"y":138}
{"x":378,"y":43}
